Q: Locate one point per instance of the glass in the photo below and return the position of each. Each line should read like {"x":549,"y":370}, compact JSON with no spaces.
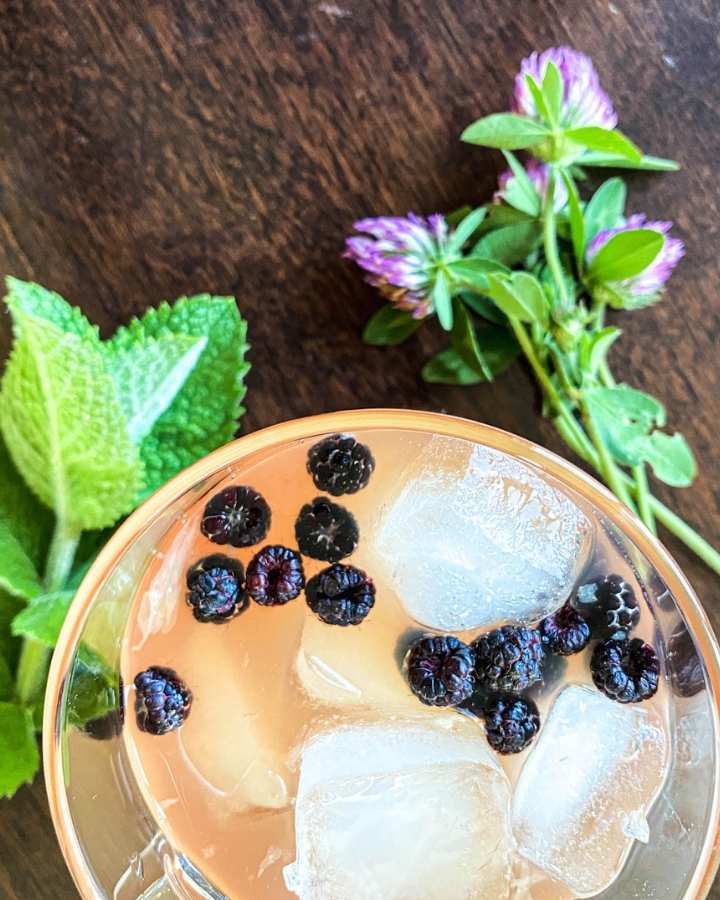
{"x":108,"y":833}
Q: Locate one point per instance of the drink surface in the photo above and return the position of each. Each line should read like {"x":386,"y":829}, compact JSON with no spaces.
{"x":307,"y":766}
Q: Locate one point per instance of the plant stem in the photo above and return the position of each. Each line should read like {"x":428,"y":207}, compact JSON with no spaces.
{"x":550,"y":242}
{"x":35,"y":656}
{"x":609,"y":471}
{"x":642,"y":493}
{"x":684,"y":532}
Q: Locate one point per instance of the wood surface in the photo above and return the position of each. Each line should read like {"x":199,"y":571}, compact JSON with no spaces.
{"x":158,"y":148}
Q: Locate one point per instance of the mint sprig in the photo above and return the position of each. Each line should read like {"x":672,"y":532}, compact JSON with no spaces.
{"x":88,"y":428}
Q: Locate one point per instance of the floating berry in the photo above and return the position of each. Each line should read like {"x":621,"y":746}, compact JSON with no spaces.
{"x":162,"y":701}
{"x":238,"y":515}
{"x":511,"y":722}
{"x":508,"y":659}
{"x":215,"y":589}
{"x":275,"y":576}
{"x":625,"y":670}
{"x":340,"y":465}
{"x":440,"y":670}
{"x":324,"y":530}
{"x":609,"y":605}
{"x":564,"y":632}
{"x":341,"y":595}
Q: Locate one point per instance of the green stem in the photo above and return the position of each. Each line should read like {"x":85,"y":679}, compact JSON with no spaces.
{"x":35,"y":656}
{"x":552,"y":254}
{"x":642,"y":493}
{"x":684,"y":532}
{"x":608,"y":469}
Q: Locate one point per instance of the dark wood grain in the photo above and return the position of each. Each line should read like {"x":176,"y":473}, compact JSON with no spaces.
{"x":163,"y":147}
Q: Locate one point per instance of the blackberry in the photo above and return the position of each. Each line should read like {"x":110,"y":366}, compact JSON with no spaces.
{"x":341,"y":595}
{"x":564,"y":632}
{"x":324,"y":530}
{"x":609,"y":605}
{"x":238,"y":515}
{"x":440,"y":670}
{"x":340,"y":465}
{"x":162,"y":701}
{"x":511,"y":722}
{"x":625,"y":670}
{"x":684,"y":665}
{"x":275,"y":576}
{"x":508,"y":659}
{"x":215,"y":589}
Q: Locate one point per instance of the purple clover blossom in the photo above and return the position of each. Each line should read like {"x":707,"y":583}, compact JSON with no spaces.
{"x":646,"y":287}
{"x":538,"y":173}
{"x":584,"y":100}
{"x":400,"y":256}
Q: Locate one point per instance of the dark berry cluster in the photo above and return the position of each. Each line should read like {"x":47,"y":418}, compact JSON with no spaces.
{"x":275,"y":576}
{"x":340,"y":464}
{"x":609,"y":606}
{"x":238,"y":515}
{"x":508,"y":659}
{"x":326,"y":531}
{"x":216,"y":589}
{"x":511,"y":722}
{"x":162,"y":701}
{"x":626,"y":670}
{"x":440,"y":670}
{"x":341,"y":595}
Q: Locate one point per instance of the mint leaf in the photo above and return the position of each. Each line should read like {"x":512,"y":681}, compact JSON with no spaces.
{"x":19,"y":757}
{"x":17,"y":573}
{"x":64,"y":428}
{"x":625,"y":255}
{"x":43,"y":617}
{"x":519,"y":191}
{"x":205,"y":413}
{"x":29,"y":521}
{"x":35,"y":300}
{"x":505,"y":131}
{"x":606,"y":207}
{"x":442,"y":301}
{"x":510,"y":244}
{"x":671,"y":458}
{"x":149,"y":374}
{"x":601,"y":139}
{"x":389,"y":327}
{"x":613,"y":161}
{"x":94,"y":689}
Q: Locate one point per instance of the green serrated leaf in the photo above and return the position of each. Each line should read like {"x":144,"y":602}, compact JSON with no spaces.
{"x":64,"y":428}
{"x":148,"y":376}
{"x":625,"y":255}
{"x":205,"y":413}
{"x":505,"y":131}
{"x":43,"y":617}
{"x":613,"y":161}
{"x":19,"y":510}
{"x":624,"y":416}
{"x":606,"y":207}
{"x":9,"y":645}
{"x":466,"y":229}
{"x":510,"y":244}
{"x":35,"y":300}
{"x":442,"y":302}
{"x":389,"y":327}
{"x":17,"y":573}
{"x":519,"y":191}
{"x":464,"y":342}
{"x":605,"y":141}
{"x":19,"y":757}
{"x":577,"y":222}
{"x":671,"y":458}
{"x":552,"y":90}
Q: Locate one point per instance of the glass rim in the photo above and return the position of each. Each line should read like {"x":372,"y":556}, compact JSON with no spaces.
{"x":371,"y":419}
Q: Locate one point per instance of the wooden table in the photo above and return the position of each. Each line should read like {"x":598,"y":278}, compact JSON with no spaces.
{"x":164,"y":147}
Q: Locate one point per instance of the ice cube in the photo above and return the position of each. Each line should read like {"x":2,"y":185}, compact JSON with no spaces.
{"x":475,"y":537}
{"x":399,"y":810}
{"x":585,"y":790}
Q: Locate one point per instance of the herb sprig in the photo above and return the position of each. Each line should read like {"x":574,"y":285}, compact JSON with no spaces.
{"x":534,"y":272}
{"x":88,"y":429}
